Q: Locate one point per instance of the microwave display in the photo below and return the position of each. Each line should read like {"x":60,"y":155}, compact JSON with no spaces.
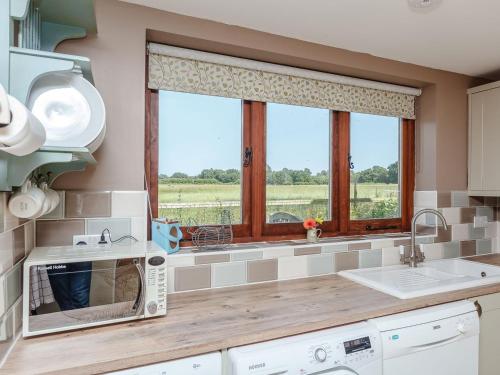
{"x":79,"y":293}
{"x":357,"y":345}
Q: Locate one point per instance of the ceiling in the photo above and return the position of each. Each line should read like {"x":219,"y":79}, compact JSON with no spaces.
{"x":461,"y":36}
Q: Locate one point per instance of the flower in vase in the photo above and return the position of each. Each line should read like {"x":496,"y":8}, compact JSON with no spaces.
{"x":310,"y":223}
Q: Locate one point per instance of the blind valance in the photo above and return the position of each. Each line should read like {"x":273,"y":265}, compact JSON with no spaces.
{"x":184,"y":70}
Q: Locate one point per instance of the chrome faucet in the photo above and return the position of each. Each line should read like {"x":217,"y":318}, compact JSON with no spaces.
{"x":417,"y":256}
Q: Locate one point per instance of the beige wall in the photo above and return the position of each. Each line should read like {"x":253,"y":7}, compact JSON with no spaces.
{"x":118,"y":59}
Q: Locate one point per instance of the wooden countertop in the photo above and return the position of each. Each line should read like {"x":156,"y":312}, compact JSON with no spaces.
{"x":205,"y":321}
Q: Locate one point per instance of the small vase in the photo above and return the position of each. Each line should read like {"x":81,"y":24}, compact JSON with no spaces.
{"x":313,"y":235}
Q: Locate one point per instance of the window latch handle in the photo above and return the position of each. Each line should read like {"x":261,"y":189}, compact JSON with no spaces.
{"x":247,"y":158}
{"x":351,"y":164}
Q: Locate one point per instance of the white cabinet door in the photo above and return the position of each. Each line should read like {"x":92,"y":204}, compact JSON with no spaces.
{"x":484,"y":141}
{"x":491,"y":140}
{"x":489,"y":336}
{"x":476,"y":141}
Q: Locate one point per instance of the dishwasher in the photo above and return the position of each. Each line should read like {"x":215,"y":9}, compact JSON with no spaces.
{"x":442,"y":340}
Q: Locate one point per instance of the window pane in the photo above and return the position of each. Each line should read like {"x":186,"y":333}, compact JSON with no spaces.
{"x":375,"y":178}
{"x":199,"y":158}
{"x":298,"y":163}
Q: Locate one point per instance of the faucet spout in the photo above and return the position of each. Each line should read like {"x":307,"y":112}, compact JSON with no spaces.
{"x":414,"y":257}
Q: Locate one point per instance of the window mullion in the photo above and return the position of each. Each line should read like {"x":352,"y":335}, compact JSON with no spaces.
{"x":342,"y":136}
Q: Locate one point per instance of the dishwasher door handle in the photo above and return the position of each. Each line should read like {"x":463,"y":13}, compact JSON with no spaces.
{"x":438,"y":343}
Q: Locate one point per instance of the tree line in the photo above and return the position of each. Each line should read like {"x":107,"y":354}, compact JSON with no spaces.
{"x":285,"y":176}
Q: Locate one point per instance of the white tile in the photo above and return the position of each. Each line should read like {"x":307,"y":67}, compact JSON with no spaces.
{"x":116,"y":227}
{"x":460,"y":232}
{"x":451,"y":214}
{"x":29,"y":236}
{"x":292,"y":267}
{"x":433,"y":251}
{"x":277,"y":252}
{"x":6,"y":250}
{"x":240,"y":255}
{"x":390,"y":256}
{"x":18,"y":316}
{"x":13,"y":285}
{"x":320,"y":264}
{"x":380,"y":244}
{"x":491,"y":230}
{"x":2,"y":295}
{"x":180,"y":260}
{"x":139,"y":228}
{"x":335,"y":248}
{"x":427,"y":199}
{"x":229,"y":274}
{"x":128,"y":204}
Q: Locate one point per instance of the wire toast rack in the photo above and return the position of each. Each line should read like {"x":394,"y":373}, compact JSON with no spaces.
{"x":213,"y":237}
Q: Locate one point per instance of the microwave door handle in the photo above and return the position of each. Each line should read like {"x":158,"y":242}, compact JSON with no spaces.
{"x":139,"y":301}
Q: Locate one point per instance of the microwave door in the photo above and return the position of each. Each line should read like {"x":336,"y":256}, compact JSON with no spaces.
{"x":73,"y":295}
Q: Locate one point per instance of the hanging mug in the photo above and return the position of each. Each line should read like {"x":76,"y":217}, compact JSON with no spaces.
{"x":313,"y":235}
{"x":52,"y":198}
{"x":28,"y":202}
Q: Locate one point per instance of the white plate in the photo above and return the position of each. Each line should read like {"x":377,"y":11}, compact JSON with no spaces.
{"x":70,"y":108}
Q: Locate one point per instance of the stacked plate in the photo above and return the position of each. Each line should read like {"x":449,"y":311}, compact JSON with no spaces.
{"x":70,"y":109}
{"x":20,"y":132}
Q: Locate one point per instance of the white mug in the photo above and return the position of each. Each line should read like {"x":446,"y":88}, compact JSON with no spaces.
{"x":28,"y":203}
{"x":51,"y":197}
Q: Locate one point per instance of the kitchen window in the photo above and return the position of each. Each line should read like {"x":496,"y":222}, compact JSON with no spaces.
{"x":273,"y":165}
{"x":269,"y":146}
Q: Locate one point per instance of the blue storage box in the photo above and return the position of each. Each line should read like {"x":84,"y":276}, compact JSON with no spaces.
{"x":166,"y":235}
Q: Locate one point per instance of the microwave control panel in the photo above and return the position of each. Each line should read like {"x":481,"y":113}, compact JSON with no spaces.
{"x":156,"y":286}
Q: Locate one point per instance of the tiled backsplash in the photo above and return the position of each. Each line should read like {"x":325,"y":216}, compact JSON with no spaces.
{"x":17,"y":239}
{"x":246,"y":264}
{"x":90,"y":212}
{"x":126,"y":213}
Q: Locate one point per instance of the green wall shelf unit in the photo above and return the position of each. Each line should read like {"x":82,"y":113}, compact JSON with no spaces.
{"x":59,"y":19}
{"x":26,"y":65}
{"x":14,"y":170}
{"x":42,"y":25}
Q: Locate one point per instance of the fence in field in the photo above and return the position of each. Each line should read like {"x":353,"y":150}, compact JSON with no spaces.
{"x":287,"y":202}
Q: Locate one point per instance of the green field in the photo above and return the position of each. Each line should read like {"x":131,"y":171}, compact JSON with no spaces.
{"x":202,"y":203}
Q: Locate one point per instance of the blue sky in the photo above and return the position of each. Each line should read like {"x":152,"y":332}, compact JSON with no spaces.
{"x":199,"y":132}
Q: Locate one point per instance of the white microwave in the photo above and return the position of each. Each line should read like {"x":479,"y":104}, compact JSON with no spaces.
{"x":66,"y":288}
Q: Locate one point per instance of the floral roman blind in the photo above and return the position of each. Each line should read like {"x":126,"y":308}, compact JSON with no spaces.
{"x":178,"y":69}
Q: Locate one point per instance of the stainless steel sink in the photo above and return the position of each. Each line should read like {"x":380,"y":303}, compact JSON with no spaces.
{"x":432,"y":277}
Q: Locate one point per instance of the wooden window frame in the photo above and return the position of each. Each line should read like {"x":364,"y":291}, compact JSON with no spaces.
{"x":254,"y":227}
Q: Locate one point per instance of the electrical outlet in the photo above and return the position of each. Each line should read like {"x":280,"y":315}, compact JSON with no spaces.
{"x":91,"y":240}
{"x":480,"y":221}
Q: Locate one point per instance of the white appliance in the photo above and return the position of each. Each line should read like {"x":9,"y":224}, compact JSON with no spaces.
{"x":206,"y":364}
{"x":350,"y":350}
{"x":73,"y":287}
{"x":440,"y":340}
